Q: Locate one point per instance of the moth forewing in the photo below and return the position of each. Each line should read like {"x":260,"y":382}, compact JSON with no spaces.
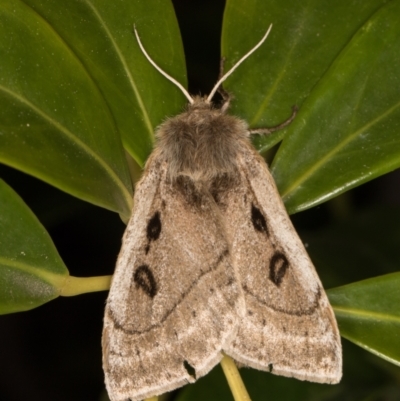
{"x":210,"y":263}
{"x":174,"y":301}
{"x":289,"y":327}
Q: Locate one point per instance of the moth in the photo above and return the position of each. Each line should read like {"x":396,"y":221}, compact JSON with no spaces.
{"x":211,"y":264}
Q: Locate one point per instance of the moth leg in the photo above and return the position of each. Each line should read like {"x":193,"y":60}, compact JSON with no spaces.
{"x":270,"y":130}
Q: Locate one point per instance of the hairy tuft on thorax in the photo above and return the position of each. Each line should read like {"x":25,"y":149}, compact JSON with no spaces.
{"x":202,"y":142}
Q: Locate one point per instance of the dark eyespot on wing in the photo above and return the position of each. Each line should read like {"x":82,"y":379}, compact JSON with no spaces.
{"x":189,"y":369}
{"x":277,"y":268}
{"x":144,"y":279}
{"x":154,"y":227}
{"x":258,"y":220}
{"x":270,"y":367}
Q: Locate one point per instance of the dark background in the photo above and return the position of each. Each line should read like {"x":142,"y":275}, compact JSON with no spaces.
{"x":53,"y":352}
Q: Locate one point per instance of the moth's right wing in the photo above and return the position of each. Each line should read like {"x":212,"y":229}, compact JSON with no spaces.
{"x":289,"y":327}
{"x":174,"y":300}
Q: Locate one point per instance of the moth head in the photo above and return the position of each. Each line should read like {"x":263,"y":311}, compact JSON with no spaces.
{"x":208,"y":99}
{"x":199,"y":104}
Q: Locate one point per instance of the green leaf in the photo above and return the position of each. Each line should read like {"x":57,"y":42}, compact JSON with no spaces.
{"x":55,"y":123}
{"x":368,"y":314}
{"x":31,"y":271}
{"x":344,"y":79}
{"x":100,"y":34}
{"x":305,"y":39}
{"x":347,"y":130}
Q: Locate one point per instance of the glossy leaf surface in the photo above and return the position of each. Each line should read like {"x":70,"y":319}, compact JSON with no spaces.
{"x":31,"y":271}
{"x":348,"y":130}
{"x":102,"y":38}
{"x":305,"y":39}
{"x":344,"y":80}
{"x":73,"y":81}
{"x":54,"y":121}
{"x":368,"y":314}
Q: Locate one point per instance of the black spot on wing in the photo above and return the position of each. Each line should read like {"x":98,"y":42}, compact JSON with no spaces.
{"x":189,"y":369}
{"x":144,"y":279}
{"x":154,"y":227}
{"x":277,"y":268}
{"x":258,"y":220}
{"x":144,"y":270}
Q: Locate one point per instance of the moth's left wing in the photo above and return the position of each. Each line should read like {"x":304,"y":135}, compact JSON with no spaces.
{"x":174,"y":301}
{"x":289,"y":328}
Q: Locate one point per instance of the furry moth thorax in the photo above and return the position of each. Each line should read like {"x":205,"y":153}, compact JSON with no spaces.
{"x":202,"y":142}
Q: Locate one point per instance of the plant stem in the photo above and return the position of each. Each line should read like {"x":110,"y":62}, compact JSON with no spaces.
{"x":80,"y":285}
{"x":234,"y":379}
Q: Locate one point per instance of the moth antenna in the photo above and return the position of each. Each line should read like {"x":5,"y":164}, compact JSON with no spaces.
{"x":174,"y":81}
{"x":223,"y":78}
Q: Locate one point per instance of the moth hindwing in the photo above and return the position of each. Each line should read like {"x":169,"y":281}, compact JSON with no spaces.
{"x":211,"y":264}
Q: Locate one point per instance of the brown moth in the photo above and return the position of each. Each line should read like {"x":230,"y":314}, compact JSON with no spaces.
{"x":211,"y":264}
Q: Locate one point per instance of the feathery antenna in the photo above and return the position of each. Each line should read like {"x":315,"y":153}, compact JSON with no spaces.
{"x":223,"y":78}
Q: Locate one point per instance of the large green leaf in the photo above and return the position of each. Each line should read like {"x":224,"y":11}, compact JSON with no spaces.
{"x":305,"y":39}
{"x":54,"y":121}
{"x":73,"y":80}
{"x":31,"y":271}
{"x":368,"y":313}
{"x":347,"y":132}
{"x":102,"y":39}
{"x":347,"y":129}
